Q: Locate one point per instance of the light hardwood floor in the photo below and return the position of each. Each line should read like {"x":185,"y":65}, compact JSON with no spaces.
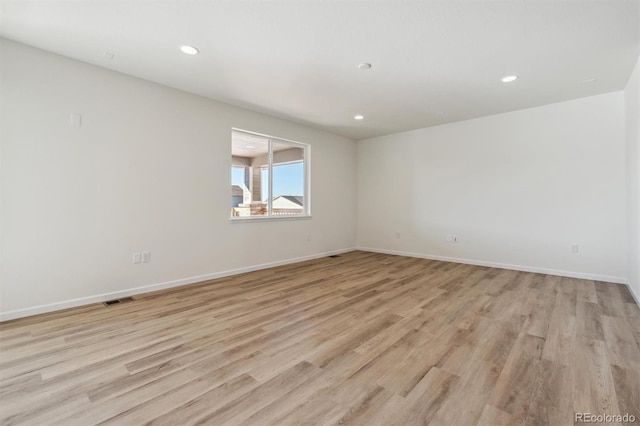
{"x":360,"y":339}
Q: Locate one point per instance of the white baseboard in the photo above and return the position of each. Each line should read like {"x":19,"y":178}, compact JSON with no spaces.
{"x":633,"y":294}
{"x":99,"y":298}
{"x":581,"y":275}
{"x":73,"y":303}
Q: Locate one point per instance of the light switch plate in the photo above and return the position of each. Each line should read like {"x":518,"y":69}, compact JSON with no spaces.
{"x":76,"y":120}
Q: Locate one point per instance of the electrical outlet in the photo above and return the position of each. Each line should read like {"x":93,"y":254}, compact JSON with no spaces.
{"x":574,"y":248}
{"x":397,"y":235}
{"x":146,"y":256}
{"x":137,"y":257}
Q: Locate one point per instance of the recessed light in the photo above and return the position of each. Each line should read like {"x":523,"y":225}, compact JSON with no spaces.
{"x":364,"y":66}
{"x":189,"y":50}
{"x":509,"y":78}
{"x":358,"y":116}
{"x":590,"y":80}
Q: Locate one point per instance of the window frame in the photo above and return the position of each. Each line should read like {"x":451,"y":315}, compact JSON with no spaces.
{"x":306,"y":172}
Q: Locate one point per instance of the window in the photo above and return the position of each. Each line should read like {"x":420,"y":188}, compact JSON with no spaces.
{"x":269,"y":177}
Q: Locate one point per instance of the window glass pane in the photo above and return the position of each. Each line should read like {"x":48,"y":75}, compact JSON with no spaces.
{"x":249,"y":155}
{"x":237,"y":182}
{"x":288,"y":179}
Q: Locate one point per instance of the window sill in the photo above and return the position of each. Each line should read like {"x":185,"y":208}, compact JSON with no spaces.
{"x":266,"y":219}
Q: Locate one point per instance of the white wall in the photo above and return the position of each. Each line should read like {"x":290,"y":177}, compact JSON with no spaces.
{"x":517,"y":189}
{"x":149,"y":169}
{"x":632,"y":108}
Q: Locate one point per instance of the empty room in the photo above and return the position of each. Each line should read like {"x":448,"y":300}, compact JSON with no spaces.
{"x":278,"y":212}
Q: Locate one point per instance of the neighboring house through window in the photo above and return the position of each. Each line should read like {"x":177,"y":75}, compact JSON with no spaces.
{"x":269,"y":177}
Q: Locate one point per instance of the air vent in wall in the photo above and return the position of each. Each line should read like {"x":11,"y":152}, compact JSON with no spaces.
{"x":118,"y":301}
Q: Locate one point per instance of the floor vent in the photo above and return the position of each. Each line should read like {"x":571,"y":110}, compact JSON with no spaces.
{"x":334,"y":255}
{"x":117,"y":301}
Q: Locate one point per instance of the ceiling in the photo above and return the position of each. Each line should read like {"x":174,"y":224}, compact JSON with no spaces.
{"x":433,"y":61}
{"x":250,"y":145}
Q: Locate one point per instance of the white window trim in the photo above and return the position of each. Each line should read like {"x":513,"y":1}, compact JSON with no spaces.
{"x":307,"y":180}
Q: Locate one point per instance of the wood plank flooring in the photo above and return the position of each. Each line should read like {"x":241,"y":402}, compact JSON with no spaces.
{"x":363,"y":338}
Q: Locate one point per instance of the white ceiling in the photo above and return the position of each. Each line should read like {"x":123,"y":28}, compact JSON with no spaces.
{"x":248,"y":145}
{"x":251,"y":146}
{"x":298,"y":59}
